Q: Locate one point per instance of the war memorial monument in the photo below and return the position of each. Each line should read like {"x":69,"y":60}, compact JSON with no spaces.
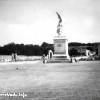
{"x":60,"y":45}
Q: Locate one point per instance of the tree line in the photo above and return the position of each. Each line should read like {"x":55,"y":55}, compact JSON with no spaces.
{"x":83,"y":44}
{"x":37,"y":50}
{"x":28,"y":50}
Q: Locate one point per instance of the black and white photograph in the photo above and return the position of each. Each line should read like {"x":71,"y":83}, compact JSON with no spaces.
{"x":49,"y":49}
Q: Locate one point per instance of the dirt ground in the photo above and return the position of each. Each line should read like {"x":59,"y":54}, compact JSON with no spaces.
{"x":52,"y":81}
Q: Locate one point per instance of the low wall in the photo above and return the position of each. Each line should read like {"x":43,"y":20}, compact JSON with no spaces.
{"x":7,"y":58}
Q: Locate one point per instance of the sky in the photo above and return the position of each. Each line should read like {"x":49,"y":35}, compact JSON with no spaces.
{"x":35,"y":21}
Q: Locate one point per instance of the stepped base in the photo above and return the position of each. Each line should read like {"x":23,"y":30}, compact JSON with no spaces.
{"x":61,"y":58}
{"x":58,"y":61}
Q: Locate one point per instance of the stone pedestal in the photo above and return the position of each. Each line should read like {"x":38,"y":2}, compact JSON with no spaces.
{"x":60,"y":50}
{"x":60,"y":46}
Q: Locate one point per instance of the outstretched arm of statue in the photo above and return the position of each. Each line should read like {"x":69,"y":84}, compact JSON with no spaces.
{"x":60,"y":20}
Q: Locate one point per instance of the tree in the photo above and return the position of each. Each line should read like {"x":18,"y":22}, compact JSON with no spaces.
{"x":45,"y":47}
{"x":73,"y":52}
{"x":10,"y":48}
{"x":44,"y":44}
{"x":90,"y":48}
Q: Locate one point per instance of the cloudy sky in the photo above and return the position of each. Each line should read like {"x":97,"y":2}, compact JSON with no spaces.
{"x":35,"y":21}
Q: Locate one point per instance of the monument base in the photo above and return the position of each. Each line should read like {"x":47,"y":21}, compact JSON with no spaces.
{"x":60,"y":46}
{"x":60,"y":50}
{"x":59,"y":58}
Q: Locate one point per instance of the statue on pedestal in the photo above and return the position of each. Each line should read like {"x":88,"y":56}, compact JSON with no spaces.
{"x":59,"y":25}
